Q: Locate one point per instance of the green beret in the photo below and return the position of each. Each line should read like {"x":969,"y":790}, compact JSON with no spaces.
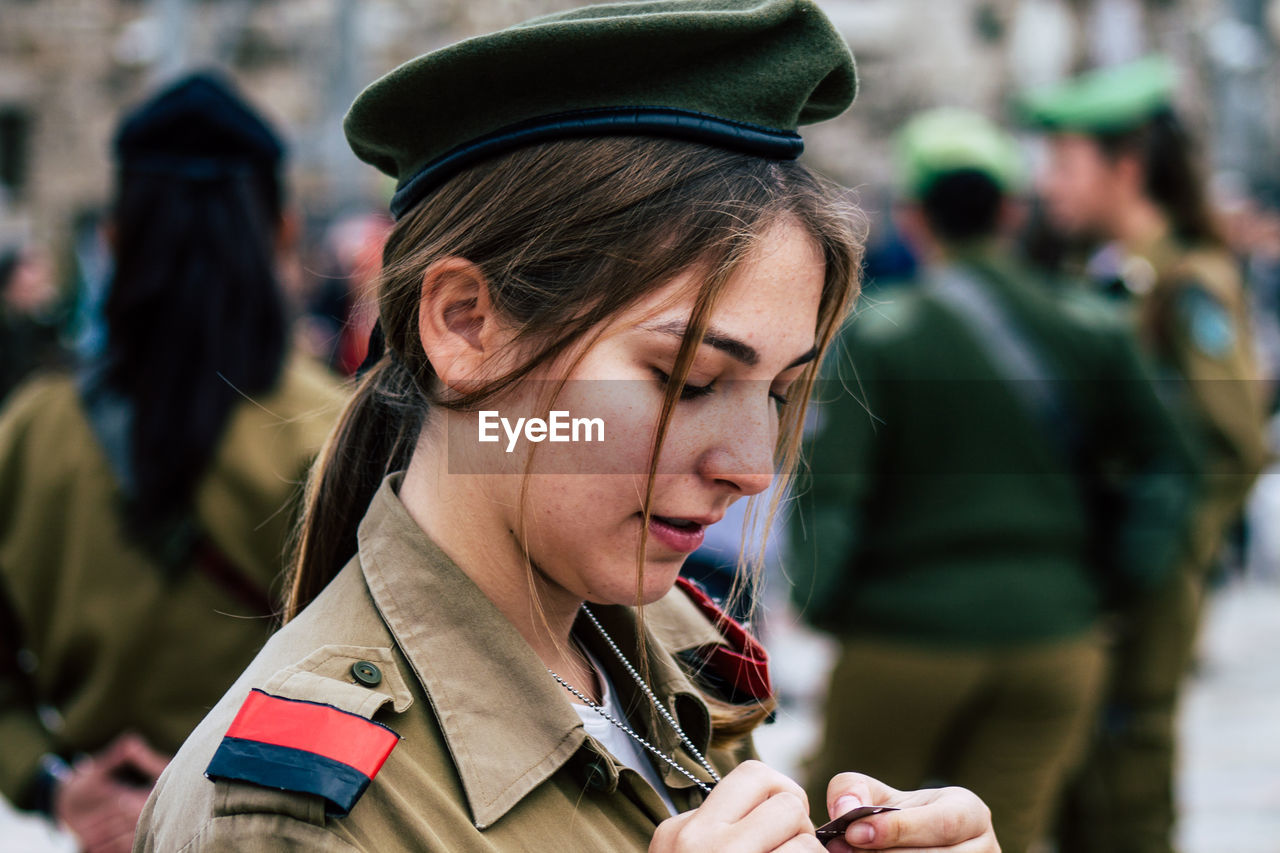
{"x":947,"y":140}
{"x":1108,"y":100}
{"x":741,"y":74}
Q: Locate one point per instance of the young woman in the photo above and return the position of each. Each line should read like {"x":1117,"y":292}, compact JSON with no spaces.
{"x":496,"y":656}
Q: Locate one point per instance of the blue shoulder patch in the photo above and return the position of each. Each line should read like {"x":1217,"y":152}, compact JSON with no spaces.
{"x":1206,"y":322}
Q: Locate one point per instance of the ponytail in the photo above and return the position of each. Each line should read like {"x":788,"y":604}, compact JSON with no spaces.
{"x":375,"y":437}
{"x":195,"y":273}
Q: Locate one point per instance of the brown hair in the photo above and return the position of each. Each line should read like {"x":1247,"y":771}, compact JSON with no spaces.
{"x":1172,"y":175}
{"x":567,"y":234}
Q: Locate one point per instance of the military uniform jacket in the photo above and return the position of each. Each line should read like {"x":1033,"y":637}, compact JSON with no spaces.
{"x":1191,"y":316}
{"x":105,"y":642}
{"x":938,"y":510}
{"x":491,"y":755}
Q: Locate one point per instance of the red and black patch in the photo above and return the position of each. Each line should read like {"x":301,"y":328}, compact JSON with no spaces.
{"x":308,"y":747}
{"x":738,"y":670}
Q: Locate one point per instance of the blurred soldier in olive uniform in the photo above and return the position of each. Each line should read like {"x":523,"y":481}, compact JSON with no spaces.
{"x":146,"y":503}
{"x":946,"y":535}
{"x":1121,"y":170}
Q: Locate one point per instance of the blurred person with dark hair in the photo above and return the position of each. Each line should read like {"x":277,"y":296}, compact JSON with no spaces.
{"x":947,"y":534}
{"x":146,"y":502}
{"x":1123,"y":171}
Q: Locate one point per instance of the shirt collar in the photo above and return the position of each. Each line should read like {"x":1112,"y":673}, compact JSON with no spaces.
{"x":475,"y":667}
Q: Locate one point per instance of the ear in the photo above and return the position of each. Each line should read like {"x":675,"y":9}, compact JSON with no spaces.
{"x":459,"y":329}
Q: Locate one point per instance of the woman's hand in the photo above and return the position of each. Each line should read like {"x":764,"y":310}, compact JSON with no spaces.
{"x":101,"y":800}
{"x":752,"y":810}
{"x":930,"y":821}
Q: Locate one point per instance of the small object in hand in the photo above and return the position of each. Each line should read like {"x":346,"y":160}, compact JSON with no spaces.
{"x":131,"y":776}
{"x":835,"y":829}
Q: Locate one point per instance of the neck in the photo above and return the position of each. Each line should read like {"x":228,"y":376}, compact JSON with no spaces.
{"x":457,"y":512}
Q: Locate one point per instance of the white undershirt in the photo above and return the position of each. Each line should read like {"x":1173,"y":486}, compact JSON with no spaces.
{"x":615,"y":740}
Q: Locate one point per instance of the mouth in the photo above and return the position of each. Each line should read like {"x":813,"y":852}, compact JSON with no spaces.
{"x":683,"y":535}
{"x":679,"y":523}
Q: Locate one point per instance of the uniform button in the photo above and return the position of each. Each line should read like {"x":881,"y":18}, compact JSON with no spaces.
{"x":597,"y":775}
{"x":366,"y":673}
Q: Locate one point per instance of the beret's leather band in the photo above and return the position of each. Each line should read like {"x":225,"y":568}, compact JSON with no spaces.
{"x":611,"y":121}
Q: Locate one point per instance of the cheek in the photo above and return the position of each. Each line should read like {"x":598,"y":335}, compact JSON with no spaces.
{"x":578,"y":524}
{"x":1067,"y":190}
{"x":626,"y":412}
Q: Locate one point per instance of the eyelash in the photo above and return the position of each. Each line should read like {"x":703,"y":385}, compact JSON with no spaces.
{"x":694,"y":392}
{"x":688,"y":392}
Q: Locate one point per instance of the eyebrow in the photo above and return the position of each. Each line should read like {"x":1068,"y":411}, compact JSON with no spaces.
{"x":731,"y":346}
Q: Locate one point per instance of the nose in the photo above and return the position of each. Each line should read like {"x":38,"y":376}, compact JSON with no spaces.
{"x":741,"y":452}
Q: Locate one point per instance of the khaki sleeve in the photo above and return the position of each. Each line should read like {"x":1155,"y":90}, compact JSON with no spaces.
{"x":23,"y":739}
{"x":1225,"y":393}
{"x":253,"y":833}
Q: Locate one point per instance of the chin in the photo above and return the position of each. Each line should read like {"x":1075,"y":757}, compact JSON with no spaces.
{"x":658,"y":580}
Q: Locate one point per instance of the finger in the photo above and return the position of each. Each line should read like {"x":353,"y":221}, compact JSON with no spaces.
{"x":94,"y":827}
{"x":669,"y":830}
{"x":802,"y":844}
{"x":131,"y":803}
{"x":847,"y":791}
{"x":771,"y":824}
{"x":739,"y":793}
{"x":120,"y":842}
{"x":954,"y":817}
{"x":116,"y":809}
{"x":132,"y":749}
{"x":116,"y":753}
{"x":986,"y":844}
{"x":103,"y":836}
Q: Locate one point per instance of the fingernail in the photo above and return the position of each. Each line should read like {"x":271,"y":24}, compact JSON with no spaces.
{"x":846,"y":803}
{"x":860,"y":834}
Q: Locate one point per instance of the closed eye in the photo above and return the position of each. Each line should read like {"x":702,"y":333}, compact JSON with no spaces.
{"x":688,"y":391}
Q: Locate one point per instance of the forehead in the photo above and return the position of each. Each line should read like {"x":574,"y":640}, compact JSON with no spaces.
{"x":1077,"y":146}
{"x":775,"y":289}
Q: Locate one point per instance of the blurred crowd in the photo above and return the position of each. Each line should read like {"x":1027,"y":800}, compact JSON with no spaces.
{"x":1039,"y":443}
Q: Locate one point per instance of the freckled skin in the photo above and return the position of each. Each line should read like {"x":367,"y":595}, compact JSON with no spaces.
{"x":584,"y":530}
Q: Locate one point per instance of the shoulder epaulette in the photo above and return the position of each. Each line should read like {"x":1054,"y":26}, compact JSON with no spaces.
{"x":306,"y":747}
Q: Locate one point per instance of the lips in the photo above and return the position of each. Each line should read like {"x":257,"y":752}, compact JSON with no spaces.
{"x":683,"y":535}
